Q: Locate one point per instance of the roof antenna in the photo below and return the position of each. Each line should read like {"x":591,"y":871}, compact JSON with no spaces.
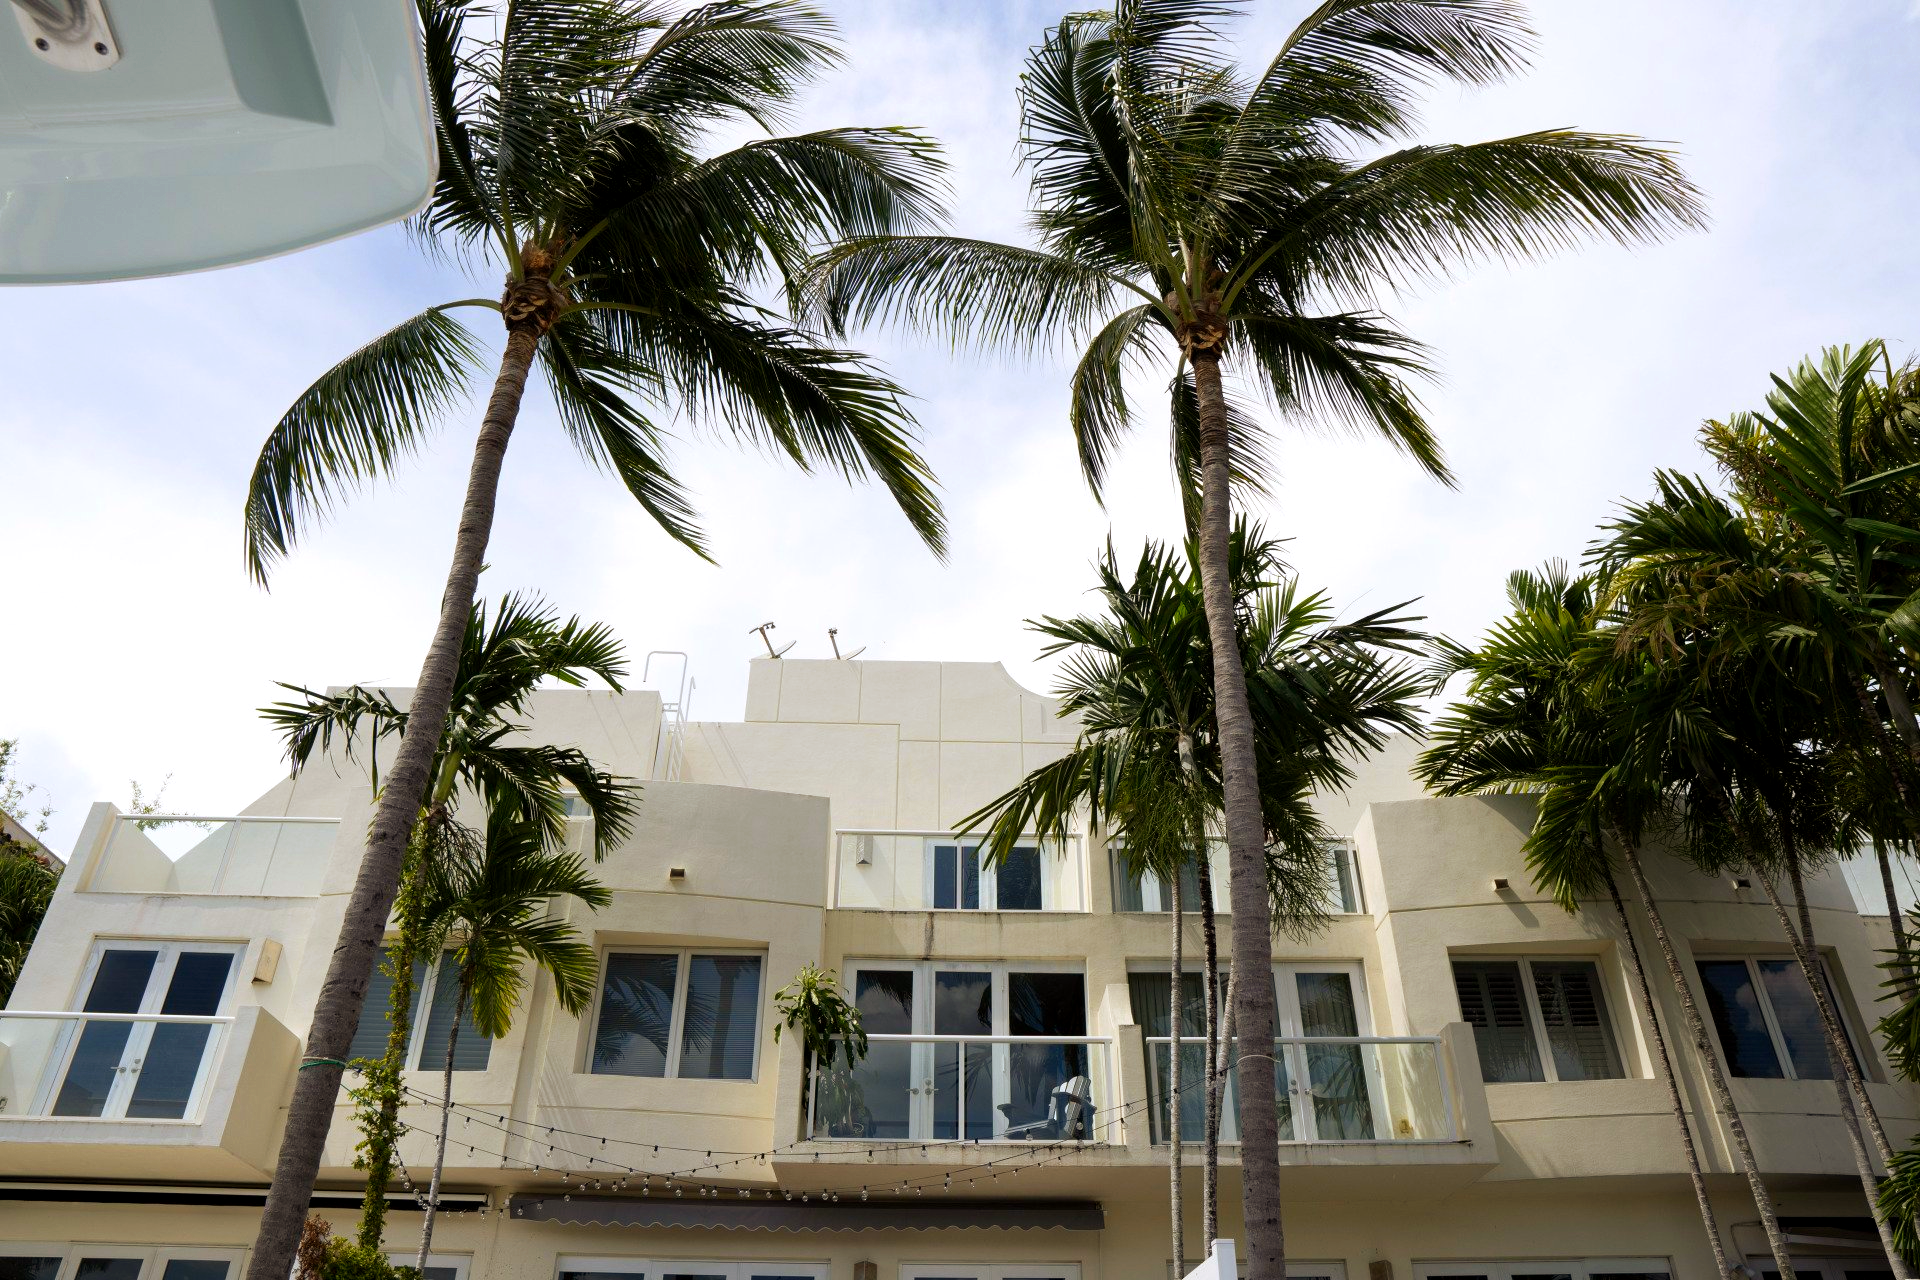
{"x":767,"y":640}
{"x":833,"y":638}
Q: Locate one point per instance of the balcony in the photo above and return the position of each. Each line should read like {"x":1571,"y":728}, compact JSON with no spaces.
{"x":151,"y":1095}
{"x":239,"y":856}
{"x":1329,"y":1089}
{"x":969,"y":1089}
{"x":939,"y":871}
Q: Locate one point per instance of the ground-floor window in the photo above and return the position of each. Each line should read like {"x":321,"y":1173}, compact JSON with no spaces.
{"x":115,"y":1262}
{"x":989,"y":1271}
{"x":1862,"y":1266}
{"x":1297,"y":1269}
{"x":440,"y":1266}
{"x":1548,"y":1269}
{"x":582,"y":1268}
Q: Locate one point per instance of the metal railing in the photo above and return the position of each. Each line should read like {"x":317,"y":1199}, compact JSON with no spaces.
{"x":899,"y":870}
{"x":241,"y":856}
{"x":670,"y":745}
{"x":1347,"y":1089}
{"x":968,"y":1089}
{"x":107,"y":1066}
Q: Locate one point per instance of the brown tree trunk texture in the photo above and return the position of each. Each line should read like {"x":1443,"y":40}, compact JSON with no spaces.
{"x":1246,"y":841}
{"x":1210,"y":976}
{"x":337,"y":1011}
{"x":1895,"y":919}
{"x":1846,"y":1083}
{"x":1710,"y":1059}
{"x":1849,"y":1085}
{"x":373,"y":1206}
{"x":1900,"y":763}
{"x":1665,"y":1063}
{"x":440,"y":1149}
{"x":1899,"y":707}
{"x":1176,"y":1151}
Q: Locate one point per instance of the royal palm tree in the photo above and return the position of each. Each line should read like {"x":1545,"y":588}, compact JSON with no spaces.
{"x":502,"y":660}
{"x":1147,"y":764}
{"x":1542,"y":715}
{"x":573,"y":159}
{"x":1183,"y":210}
{"x":27,"y":882}
{"x":491,"y":907}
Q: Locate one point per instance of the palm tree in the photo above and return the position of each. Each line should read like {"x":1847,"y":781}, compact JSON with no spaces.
{"x":1182,"y":208}
{"x":1147,"y":765}
{"x":570,"y":139}
{"x":492,"y":906}
{"x":1541,"y":715}
{"x":27,"y":882}
{"x":502,"y":660}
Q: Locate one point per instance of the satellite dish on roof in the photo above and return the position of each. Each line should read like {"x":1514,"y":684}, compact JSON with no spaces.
{"x":149,"y":137}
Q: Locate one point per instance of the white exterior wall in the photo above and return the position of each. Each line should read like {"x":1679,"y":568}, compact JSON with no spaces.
{"x":1540,"y":1170}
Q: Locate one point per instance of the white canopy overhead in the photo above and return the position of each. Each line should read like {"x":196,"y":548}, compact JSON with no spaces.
{"x":148,"y":137}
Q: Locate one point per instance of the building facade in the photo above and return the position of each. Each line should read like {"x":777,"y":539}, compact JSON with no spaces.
{"x":1465,"y":1070}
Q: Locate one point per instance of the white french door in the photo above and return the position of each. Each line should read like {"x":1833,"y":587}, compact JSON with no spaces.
{"x":583,"y":1268}
{"x":125,"y":1069}
{"x":996,"y":1271}
{"x":117,"y":1262}
{"x":1328,"y":1092}
{"x":973,"y":1081}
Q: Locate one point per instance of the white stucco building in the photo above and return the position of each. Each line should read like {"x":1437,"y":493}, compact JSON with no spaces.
{"x":1469,"y":1084}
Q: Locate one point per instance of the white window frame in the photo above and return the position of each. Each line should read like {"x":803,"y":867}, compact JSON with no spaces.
{"x":153,"y":1259}
{"x":1831,"y":1266}
{"x":969,"y":847}
{"x":1152,"y":903}
{"x":1309,"y":1269}
{"x":682,"y":972}
{"x":460,"y":1262}
{"x":417,"y":1032}
{"x":1772,"y":1020}
{"x":1537,"y":1022}
{"x":654,"y":1268}
{"x":1578,"y":1268}
{"x":990,"y":1270}
{"x":166,"y":956}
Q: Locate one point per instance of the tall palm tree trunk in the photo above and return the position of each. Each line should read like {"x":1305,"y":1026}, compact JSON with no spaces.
{"x":383,"y":1134}
{"x":1847,"y":1083}
{"x":1176,"y":1152}
{"x":1246,"y":828}
{"x":344,"y":990}
{"x":1716,"y":1078}
{"x":446,"y":1118}
{"x":1210,"y":1158}
{"x":1895,"y":918}
{"x":1707,"y":1218}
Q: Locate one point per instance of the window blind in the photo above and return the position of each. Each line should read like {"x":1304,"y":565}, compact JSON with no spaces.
{"x":1574,"y":1013}
{"x":1493,"y":1003}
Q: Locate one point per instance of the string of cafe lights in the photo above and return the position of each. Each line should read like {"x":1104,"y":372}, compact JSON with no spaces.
{"x":618,"y":1176}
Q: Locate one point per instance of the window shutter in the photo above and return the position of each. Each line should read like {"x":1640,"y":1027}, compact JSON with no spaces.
{"x":722,"y":1015}
{"x":1574,"y":1012}
{"x":370,"y":1036}
{"x":1492,"y":1002}
{"x":471,"y":1050}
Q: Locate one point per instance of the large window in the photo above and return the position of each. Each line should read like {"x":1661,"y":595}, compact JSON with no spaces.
{"x":1859,"y":1266}
{"x":115,"y":1262}
{"x":438,"y":995}
{"x":1033,"y":877}
{"x":581,"y":1268}
{"x":1133,"y":891}
{"x":1537,"y":1019}
{"x":1768,"y":1024}
{"x":1553,"y":1269}
{"x":688,"y":1015}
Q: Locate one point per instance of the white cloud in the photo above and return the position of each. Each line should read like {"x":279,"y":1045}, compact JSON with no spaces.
{"x":134,"y":646}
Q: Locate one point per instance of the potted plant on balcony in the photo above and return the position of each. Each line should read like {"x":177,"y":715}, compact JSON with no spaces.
{"x":829,"y":1028}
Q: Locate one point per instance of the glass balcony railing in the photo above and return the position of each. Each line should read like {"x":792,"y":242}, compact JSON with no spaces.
{"x":968,"y":1089}
{"x":1328,"y":1089}
{"x":107,"y":1066}
{"x":938,"y":871}
{"x":263,"y":857}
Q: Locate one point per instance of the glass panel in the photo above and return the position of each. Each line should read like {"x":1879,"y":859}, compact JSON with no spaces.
{"x":885,"y":1000}
{"x":1050,"y":1092}
{"x":1048,"y":1004}
{"x":453,"y":1273}
{"x":636,"y":1015}
{"x":1878,"y":1274}
{"x":108,"y":1269}
{"x":1661,"y":1275}
{"x":946,"y":876}
{"x":1346,"y":883}
{"x":1798,"y":1018}
{"x":962,"y":1074}
{"x":1149,"y":998}
{"x":166,"y":1078}
{"x":210,"y":1269}
{"x":1574,"y":1012}
{"x":1193,"y":1102}
{"x":1336,"y":1072}
{"x":1492,"y":1002}
{"x":1128,"y":886}
{"x":370,"y":1034}
{"x":470,"y":1049}
{"x":873,"y":1098}
{"x":970,"y":878}
{"x":91,"y":1070}
{"x":120,"y":981}
{"x":199,"y":980}
{"x":1017,"y":884}
{"x":603,"y":1275}
{"x":962,"y":1004}
{"x":29,"y":1268}
{"x":1735,"y":1008}
{"x":695,"y":1275}
{"x":1542,"y":1275}
{"x":723,"y":1011}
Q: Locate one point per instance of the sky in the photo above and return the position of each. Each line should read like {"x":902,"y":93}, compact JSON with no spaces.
{"x":135,"y":649}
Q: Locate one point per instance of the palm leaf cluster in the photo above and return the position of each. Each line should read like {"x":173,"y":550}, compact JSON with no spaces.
{"x":1730,"y":680}
{"x":575,"y":141}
